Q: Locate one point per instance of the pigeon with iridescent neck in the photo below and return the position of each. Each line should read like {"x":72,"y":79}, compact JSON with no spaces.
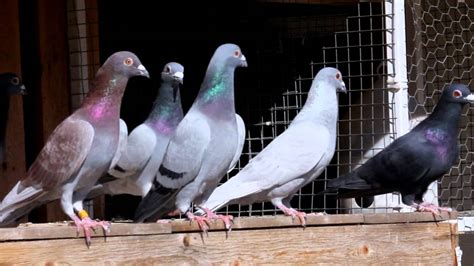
{"x":294,"y":158}
{"x":203,"y":146}
{"x":10,"y":84}
{"x":79,"y":151}
{"x":138,"y":163}
{"x":413,"y":161}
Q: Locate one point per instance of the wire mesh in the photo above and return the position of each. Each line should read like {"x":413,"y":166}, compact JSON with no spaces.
{"x":441,"y":52}
{"x":356,"y":46}
{"x":83,"y":40}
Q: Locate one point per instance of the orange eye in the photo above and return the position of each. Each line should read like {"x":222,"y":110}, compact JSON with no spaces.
{"x":457,"y":93}
{"x":128,"y":61}
{"x":338,"y":75}
{"x":15,"y":81}
{"x":237,"y":53}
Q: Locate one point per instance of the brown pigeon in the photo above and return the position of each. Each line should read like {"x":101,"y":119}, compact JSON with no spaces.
{"x":79,"y":151}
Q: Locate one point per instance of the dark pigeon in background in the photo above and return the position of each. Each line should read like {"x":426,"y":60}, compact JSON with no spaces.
{"x":413,"y":161}
{"x":203,"y":147}
{"x":10,"y":84}
{"x":79,"y":151}
{"x":138,"y":163}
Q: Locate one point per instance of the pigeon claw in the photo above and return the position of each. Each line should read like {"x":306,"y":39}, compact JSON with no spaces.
{"x":294,"y":213}
{"x":202,"y":222}
{"x":87,"y":224}
{"x":429,"y":207}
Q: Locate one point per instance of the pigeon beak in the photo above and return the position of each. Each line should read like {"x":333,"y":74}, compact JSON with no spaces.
{"x":342,"y":88}
{"x":469,"y":98}
{"x":143,"y":71}
{"x":179,"y":76}
{"x":23,"y":90}
{"x":243,"y":61}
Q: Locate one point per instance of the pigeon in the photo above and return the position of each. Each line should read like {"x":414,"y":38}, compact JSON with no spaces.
{"x":294,"y":158}
{"x":240,"y":142}
{"x":79,"y":151}
{"x":138,"y":164}
{"x":10,"y":84}
{"x":413,"y":161}
{"x":203,"y":147}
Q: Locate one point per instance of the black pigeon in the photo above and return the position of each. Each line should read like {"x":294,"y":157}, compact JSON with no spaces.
{"x":10,"y":84}
{"x":413,"y":161}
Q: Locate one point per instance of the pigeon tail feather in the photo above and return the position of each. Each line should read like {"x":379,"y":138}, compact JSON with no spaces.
{"x":18,"y":203}
{"x":155,"y":204}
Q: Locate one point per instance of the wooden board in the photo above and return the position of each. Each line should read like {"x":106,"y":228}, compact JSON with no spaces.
{"x":54,"y":81}
{"x":404,"y":243}
{"x":10,"y":61}
{"x":30,"y":231}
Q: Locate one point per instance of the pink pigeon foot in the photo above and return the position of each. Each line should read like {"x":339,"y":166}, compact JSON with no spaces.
{"x":227,"y":219}
{"x":202,"y":221}
{"x":430,"y":207}
{"x":293,"y":213}
{"x":86,"y":224}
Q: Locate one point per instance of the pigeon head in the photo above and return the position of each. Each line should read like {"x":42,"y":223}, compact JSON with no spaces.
{"x":11,"y":84}
{"x":126,"y":64}
{"x":231,"y":54}
{"x":332,"y":76}
{"x":457,"y":93}
{"x":173,"y":73}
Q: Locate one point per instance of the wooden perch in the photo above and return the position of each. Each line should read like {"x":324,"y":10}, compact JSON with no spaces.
{"x":360,"y":238}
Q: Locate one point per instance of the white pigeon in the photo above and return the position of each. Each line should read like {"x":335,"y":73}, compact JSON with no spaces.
{"x":294,"y":158}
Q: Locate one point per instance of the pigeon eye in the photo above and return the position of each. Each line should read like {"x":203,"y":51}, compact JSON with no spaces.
{"x":338,"y":75}
{"x":128,"y":61}
{"x":237,"y":53}
{"x":167,"y":69}
{"x":457,"y":93}
{"x":15,"y":81}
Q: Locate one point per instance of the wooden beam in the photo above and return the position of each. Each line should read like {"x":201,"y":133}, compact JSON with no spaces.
{"x":411,"y":243}
{"x":54,"y":83}
{"x":10,"y":61}
{"x":65,"y":229}
{"x":58,"y":230}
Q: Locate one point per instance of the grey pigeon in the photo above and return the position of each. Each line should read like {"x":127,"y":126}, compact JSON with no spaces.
{"x":138,"y":163}
{"x":294,"y":158}
{"x":203,"y":146}
{"x":414,"y":160}
{"x":240,"y":142}
{"x":79,"y":151}
{"x":10,"y":84}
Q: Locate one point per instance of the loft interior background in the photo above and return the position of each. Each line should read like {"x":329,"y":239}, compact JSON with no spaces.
{"x":279,"y":41}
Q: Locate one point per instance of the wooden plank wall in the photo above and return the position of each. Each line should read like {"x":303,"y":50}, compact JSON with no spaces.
{"x":54,"y":83}
{"x":10,"y":61}
{"x":411,"y":238}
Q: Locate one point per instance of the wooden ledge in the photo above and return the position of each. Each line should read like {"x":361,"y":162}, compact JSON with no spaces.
{"x":361,"y":239}
{"x":63,"y":230}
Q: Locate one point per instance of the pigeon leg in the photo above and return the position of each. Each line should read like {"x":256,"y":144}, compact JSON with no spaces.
{"x":202,"y":221}
{"x":430,"y":207}
{"x":227,"y":219}
{"x":86,"y":223}
{"x":293,"y":213}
